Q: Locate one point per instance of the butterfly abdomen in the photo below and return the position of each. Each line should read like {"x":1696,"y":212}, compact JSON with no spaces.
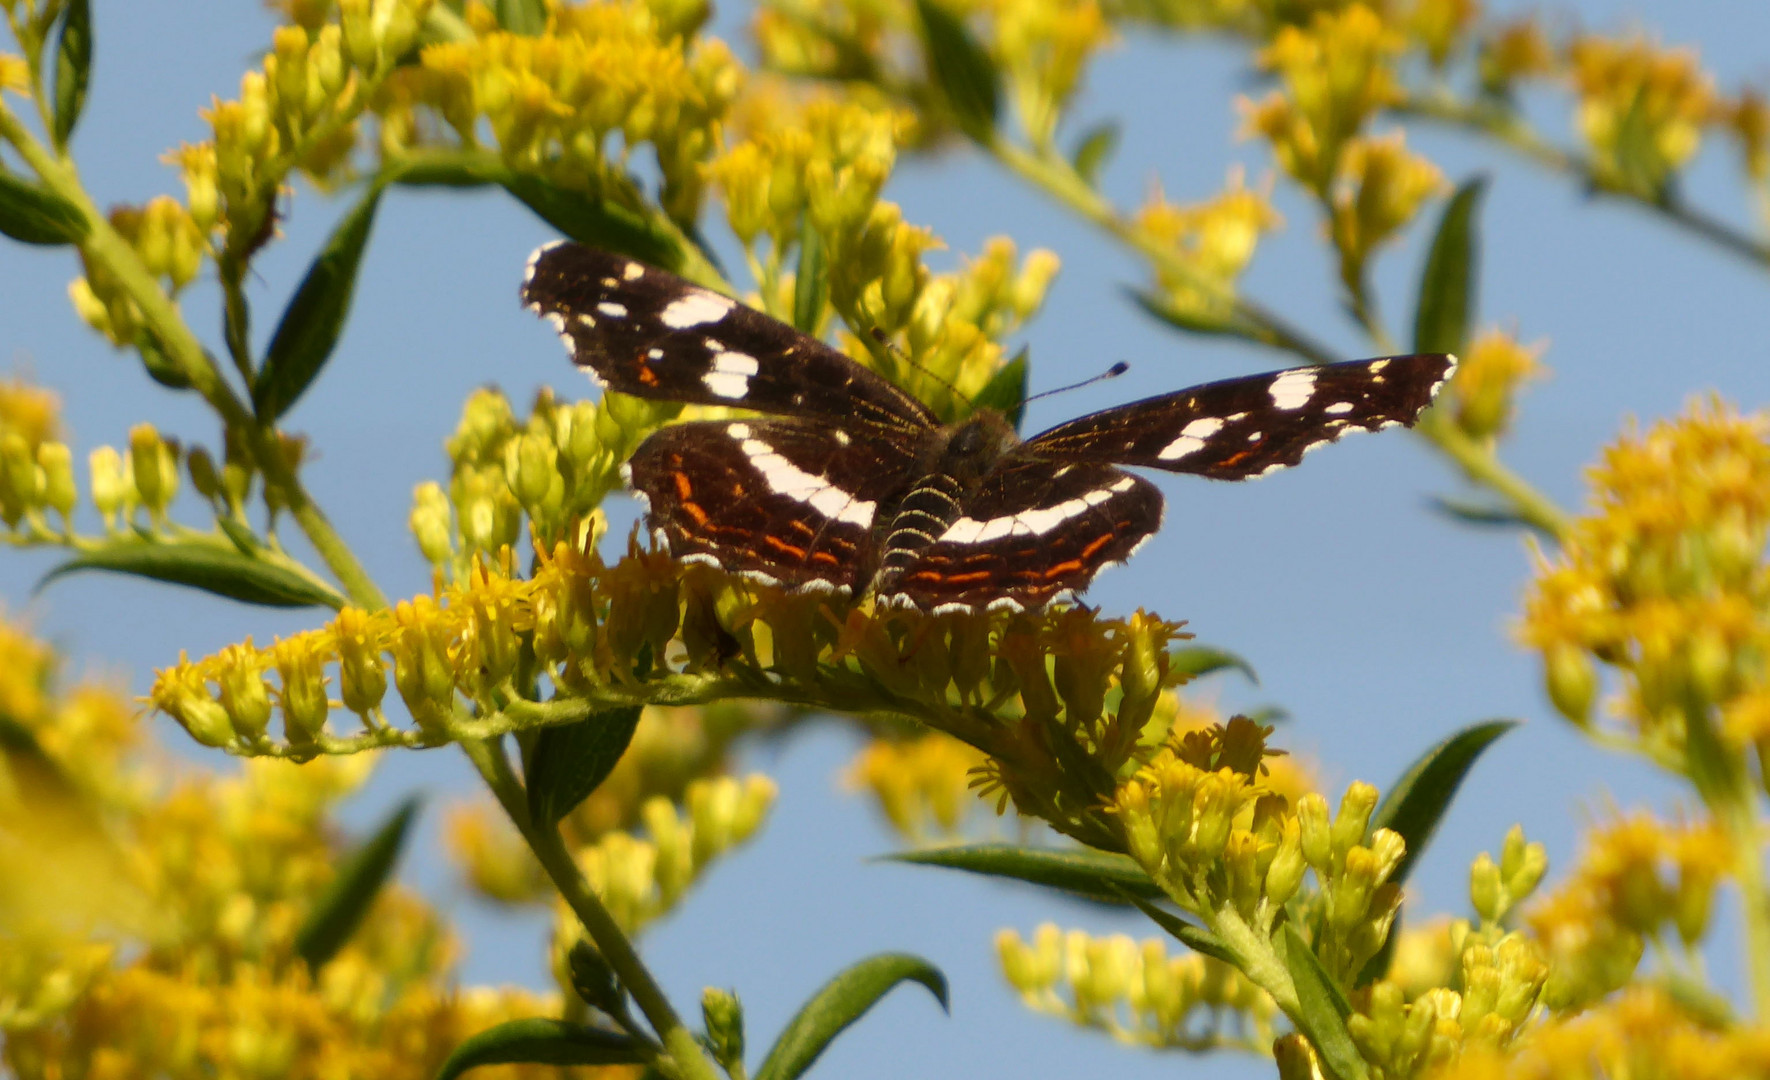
{"x":917,"y":521}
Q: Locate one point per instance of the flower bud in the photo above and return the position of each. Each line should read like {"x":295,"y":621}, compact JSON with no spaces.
{"x":1572,"y":682}
{"x":1314,"y":835}
{"x":243,"y":691}
{"x":154,"y":466}
{"x":430,"y":523}
{"x":724,"y":1016}
{"x":1486,"y":892}
{"x":362,"y":680}
{"x":1354,"y":816}
{"x":57,"y":463}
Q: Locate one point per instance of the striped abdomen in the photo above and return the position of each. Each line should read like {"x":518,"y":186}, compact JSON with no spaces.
{"x":924,"y":513}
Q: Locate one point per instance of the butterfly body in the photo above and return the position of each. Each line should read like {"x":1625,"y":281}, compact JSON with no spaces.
{"x":847,"y":483}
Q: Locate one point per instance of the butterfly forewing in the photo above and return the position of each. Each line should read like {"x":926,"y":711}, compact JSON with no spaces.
{"x":1032,"y":531}
{"x":1245,"y":427}
{"x":785,"y":499}
{"x":648,"y":333}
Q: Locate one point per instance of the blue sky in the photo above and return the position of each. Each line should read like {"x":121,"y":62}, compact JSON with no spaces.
{"x":1379,"y":626}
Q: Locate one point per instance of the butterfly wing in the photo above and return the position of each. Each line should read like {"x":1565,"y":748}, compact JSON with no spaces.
{"x":651,"y":334}
{"x":782,"y":500}
{"x":1032,"y":531}
{"x":1245,"y":427}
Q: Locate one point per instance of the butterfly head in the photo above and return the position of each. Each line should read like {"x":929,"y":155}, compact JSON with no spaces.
{"x":972,"y":447}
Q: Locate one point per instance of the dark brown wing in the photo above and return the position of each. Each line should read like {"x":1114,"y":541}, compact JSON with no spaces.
{"x":649,"y":333}
{"x":787,"y":501}
{"x":1034,"y":531}
{"x":1238,"y":428}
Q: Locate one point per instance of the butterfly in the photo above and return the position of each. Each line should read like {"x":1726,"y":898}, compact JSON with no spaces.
{"x":847,"y":483}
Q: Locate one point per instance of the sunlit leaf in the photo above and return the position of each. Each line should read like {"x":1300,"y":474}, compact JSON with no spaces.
{"x":840,"y":1002}
{"x":224,"y":571}
{"x":341,"y":910}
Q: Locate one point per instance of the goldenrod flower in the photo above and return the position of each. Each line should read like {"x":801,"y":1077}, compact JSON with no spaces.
{"x":1492,"y":369}
{"x":1641,"y":110}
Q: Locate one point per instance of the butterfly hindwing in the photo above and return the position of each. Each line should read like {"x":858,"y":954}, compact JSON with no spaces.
{"x":1034,"y":530}
{"x":645,"y":332}
{"x":791,"y":501}
{"x":1240,"y":428}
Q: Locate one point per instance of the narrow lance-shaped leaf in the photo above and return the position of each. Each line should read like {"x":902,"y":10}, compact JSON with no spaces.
{"x":1196,"y":938}
{"x":960,"y":67}
{"x":1321,"y":1010}
{"x":341,"y":910}
{"x":1098,"y":875}
{"x":1095,"y":149}
{"x":314,"y":320}
{"x":1416,"y":802}
{"x":1006,"y":390}
{"x":210,"y":566}
{"x":565,"y":763}
{"x":1448,"y":282}
{"x":1199,"y":660}
{"x":539,"y":1041}
{"x":842,"y":1001}
{"x":73,"y":68}
{"x":32,"y":214}
{"x":811,"y":282}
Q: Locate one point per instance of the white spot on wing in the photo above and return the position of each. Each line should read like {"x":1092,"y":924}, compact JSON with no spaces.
{"x":612,"y":309}
{"x":558,"y":321}
{"x":725,"y":384}
{"x":735,"y":363}
{"x":1293,"y":389}
{"x":1338,"y":408}
{"x":1192,"y":438}
{"x":842,"y":438}
{"x":785,"y":478}
{"x":633,"y":271}
{"x":1038,"y":522}
{"x":528,"y":271}
{"x":1377,"y":366}
{"x":655,"y":354}
{"x":696,"y":309}
{"x":739,"y":432}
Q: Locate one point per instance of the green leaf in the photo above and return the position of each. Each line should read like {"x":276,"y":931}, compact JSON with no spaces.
{"x":73,"y":69}
{"x":1196,"y":938}
{"x":566,"y":762}
{"x":160,"y":367}
{"x":842,"y":1001}
{"x":1095,"y":149}
{"x":582,"y":217}
{"x":1098,"y":875}
{"x":211,"y":567}
{"x":340,"y":911}
{"x":1415,"y":802}
{"x":1447,"y":284}
{"x":525,"y":17}
{"x":314,"y":319}
{"x":1154,"y":303}
{"x":32,"y":214}
{"x":1006,"y":390}
{"x":1199,"y":660}
{"x":811,"y":283}
{"x":1479,"y":513}
{"x":1322,"y":1010}
{"x":541,"y":1042}
{"x":963,"y":71}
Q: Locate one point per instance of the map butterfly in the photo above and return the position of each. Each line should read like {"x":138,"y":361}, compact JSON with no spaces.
{"x":849,"y":484}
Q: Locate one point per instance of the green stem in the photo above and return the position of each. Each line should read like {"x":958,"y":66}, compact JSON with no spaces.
{"x":1478,"y":462}
{"x":1506,"y":127}
{"x":104,"y":246}
{"x":685,"y":1058}
{"x":1256,"y":958}
{"x":1754,"y":901}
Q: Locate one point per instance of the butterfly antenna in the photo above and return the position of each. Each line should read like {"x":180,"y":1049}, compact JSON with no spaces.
{"x":890,"y":347}
{"x":1112,"y":372}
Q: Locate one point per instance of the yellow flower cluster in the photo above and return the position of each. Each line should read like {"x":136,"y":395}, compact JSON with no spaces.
{"x":1643,"y":1032}
{"x":698,"y":635}
{"x":1500,"y":980}
{"x":1043,"y":47}
{"x":922,"y":784}
{"x":1484,"y":391}
{"x":1637,"y":875}
{"x":1665,"y":581}
{"x":1379,"y":189}
{"x":1338,"y":72}
{"x":1135,"y":991}
{"x":148,"y":921}
{"x":1211,"y":243}
{"x":552,"y":101}
{"x":641,"y":878}
{"x":1641,"y":109}
{"x":36,"y":468}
